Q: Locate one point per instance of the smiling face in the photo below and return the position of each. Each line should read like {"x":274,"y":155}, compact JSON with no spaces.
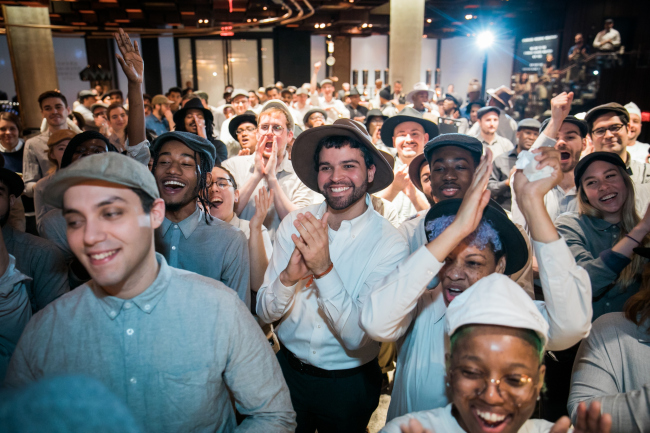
{"x":604,"y":188}
{"x":176,"y":175}
{"x":409,"y":139}
{"x":109,"y":232}
{"x":240,"y":104}
{"x":9,"y":134}
{"x":56,"y":152}
{"x":190,"y":123}
{"x":635,"y":128}
{"x":343,"y":177}
{"x":425,"y":180}
{"x":494,"y":353}
{"x":419,"y":99}
{"x":526,"y":137}
{"x":176,"y":98}
{"x":316,"y":119}
{"x":473,"y":117}
{"x":54,"y":112}
{"x":570,"y":145}
{"x":222,"y":195}
{"x":615,"y":142}
{"x":452,"y":171}
{"x":327,"y":89}
{"x":464,"y":266}
{"x":489,"y":123}
{"x":253,"y":100}
{"x":118,"y":119}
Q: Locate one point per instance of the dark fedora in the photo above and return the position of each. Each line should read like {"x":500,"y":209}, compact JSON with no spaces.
{"x":12,"y":181}
{"x":514,"y":244}
{"x":408,"y":114}
{"x":415,"y":166}
{"x":247,"y":117}
{"x":302,"y":155}
{"x":312,"y":111}
{"x":375,"y":112}
{"x":196,"y":104}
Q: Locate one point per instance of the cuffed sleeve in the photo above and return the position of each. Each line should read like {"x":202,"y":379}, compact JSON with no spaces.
{"x":614,"y":261}
{"x":567,"y":294}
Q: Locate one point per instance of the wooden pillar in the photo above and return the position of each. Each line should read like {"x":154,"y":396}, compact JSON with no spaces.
{"x":32,"y":58}
{"x":342,"y":69}
{"x":406,"y":29}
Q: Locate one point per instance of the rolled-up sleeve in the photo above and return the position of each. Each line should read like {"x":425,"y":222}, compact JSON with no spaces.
{"x":567,"y":294}
{"x":389,"y":308}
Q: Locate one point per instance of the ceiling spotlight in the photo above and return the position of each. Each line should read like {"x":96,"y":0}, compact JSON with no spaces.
{"x":595,"y":72}
{"x":364,"y":25}
{"x":370,"y":25}
{"x":429,"y":20}
{"x":315,"y":26}
{"x":485,"y":39}
{"x":248,"y":20}
{"x":329,"y":36}
{"x":322,"y":25}
{"x":468,"y":16}
{"x":264,"y":8}
{"x":200,"y":21}
{"x":254,"y":20}
{"x":214,"y":74}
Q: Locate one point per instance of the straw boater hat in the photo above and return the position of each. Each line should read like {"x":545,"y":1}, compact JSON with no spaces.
{"x":302,"y":155}
{"x":419,"y":87}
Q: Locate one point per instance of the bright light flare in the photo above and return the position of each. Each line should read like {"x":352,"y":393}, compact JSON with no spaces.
{"x":485,"y":39}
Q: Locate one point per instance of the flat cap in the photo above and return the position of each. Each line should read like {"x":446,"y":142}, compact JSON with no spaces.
{"x":60,"y":135}
{"x":581,"y":124}
{"x":98,"y":105}
{"x":238,"y":92}
{"x":160,"y":99}
{"x":110,"y":167}
{"x":198,"y":144}
{"x":586,"y":161}
{"x":529,"y":124}
{"x":611,"y":107}
{"x":455,"y":98}
{"x":275,"y":103}
{"x":489,"y":109}
{"x":86,"y":93}
{"x":471,"y":144}
{"x":302,"y":91}
{"x":326,"y":81}
{"x":312,"y":111}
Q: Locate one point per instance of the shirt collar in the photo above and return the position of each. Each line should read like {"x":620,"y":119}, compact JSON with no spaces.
{"x":16,"y":149}
{"x":145,"y":301}
{"x":234,"y":221}
{"x":285,"y":165}
{"x":355,"y":225}
{"x":513,"y":152}
{"x":187,"y":226}
{"x":599,"y":224}
{"x":439,"y":307}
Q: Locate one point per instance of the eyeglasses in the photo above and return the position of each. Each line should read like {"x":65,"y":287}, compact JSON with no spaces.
{"x":275,"y":129}
{"x":600,"y":132}
{"x":316,"y":117}
{"x":220,"y":182}
{"x":240,"y":131}
{"x":517,"y":386}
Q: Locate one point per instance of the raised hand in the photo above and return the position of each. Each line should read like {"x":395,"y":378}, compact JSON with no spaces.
{"x":263,"y":202}
{"x":476,"y":197}
{"x":317,"y":66}
{"x":244,"y":152}
{"x":270,"y":167}
{"x":588,"y":421}
{"x":130,"y":60}
{"x":401,"y":179}
{"x":200,"y":126}
{"x":313,"y":242}
{"x":295,"y":271}
{"x":524,"y":190}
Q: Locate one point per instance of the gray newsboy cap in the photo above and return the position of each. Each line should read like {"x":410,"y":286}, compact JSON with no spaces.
{"x":111,"y":167}
{"x":198,"y":144}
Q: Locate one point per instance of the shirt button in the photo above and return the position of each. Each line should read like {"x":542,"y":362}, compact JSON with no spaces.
{"x":127,"y":305}
{"x":147,"y":307}
{"x":129,"y":331}
{"x":175,"y":226}
{"x":113,"y":313}
{"x":607,"y":304}
{"x":173,"y":248}
{"x":133,"y":380}
{"x":319,"y":326}
{"x":314,"y":352}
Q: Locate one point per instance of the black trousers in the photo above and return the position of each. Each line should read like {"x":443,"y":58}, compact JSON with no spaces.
{"x":333,"y":405}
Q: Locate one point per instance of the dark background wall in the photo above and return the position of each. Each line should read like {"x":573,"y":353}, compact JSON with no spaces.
{"x":292,"y":54}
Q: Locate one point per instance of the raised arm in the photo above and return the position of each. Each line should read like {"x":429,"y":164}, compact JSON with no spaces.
{"x":133,"y":67}
{"x":256,"y":248}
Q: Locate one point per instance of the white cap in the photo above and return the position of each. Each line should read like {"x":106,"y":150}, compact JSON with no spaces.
{"x":581,"y":116}
{"x":632,"y":108}
{"x":496,"y":300}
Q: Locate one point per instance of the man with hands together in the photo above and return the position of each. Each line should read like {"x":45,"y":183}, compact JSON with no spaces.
{"x":326,"y":260}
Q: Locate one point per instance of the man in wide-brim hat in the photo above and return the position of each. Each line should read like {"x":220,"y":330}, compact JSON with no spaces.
{"x":500,"y":98}
{"x":326,"y":259}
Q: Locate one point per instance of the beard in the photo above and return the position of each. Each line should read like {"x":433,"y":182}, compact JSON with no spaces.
{"x":340,"y":203}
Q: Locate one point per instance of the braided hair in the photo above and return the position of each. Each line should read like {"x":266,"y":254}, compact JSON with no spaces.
{"x":202,"y":191}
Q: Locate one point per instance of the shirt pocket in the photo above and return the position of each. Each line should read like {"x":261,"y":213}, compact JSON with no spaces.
{"x":189,"y":399}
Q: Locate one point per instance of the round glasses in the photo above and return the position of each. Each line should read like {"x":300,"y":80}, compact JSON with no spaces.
{"x":600,"y":132}
{"x":242,"y":130}
{"x":221,"y":183}
{"x":275,"y":129}
{"x":517,"y":387}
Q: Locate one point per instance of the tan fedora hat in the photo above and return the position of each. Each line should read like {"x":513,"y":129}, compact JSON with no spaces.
{"x":302,"y":154}
{"x":501,"y":94}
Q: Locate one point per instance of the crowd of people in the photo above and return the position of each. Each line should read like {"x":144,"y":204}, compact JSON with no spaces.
{"x":279,"y":260}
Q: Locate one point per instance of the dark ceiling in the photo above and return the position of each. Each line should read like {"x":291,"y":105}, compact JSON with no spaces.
{"x":443,"y":18}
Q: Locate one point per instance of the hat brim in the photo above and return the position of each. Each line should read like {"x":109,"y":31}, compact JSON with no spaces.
{"x":415,"y":168}
{"x":388,"y":128}
{"x":179,"y":116}
{"x":302,"y":156}
{"x":514,"y":244}
{"x":585,"y":162}
{"x":409,"y":96}
{"x":13,"y":182}
{"x":238,"y":120}
{"x":305,"y":119}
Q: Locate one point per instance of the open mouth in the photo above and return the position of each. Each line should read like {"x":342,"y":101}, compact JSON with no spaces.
{"x":216,"y":202}
{"x":608,"y":198}
{"x":339,"y":189}
{"x":102,"y":258}
{"x":452,"y":292}
{"x":449,"y":190}
{"x":490,"y":421}
{"x":564,"y":156}
{"x":173,"y":186}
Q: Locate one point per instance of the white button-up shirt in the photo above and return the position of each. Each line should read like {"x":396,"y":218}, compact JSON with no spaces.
{"x":320,"y":324}
{"x":402,"y":309}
